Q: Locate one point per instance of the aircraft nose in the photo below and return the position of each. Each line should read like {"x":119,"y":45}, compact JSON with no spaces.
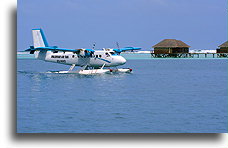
{"x":122,"y":60}
{"x":119,"y":60}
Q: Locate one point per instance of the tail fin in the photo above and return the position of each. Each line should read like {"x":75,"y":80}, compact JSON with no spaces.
{"x":39,"y":39}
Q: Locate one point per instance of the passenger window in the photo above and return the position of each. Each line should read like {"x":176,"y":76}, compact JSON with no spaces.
{"x":100,"y":56}
{"x":72,"y":56}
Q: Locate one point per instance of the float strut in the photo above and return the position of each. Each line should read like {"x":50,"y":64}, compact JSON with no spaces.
{"x":72,"y":67}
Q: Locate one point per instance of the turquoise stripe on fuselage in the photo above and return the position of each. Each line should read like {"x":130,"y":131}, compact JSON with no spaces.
{"x":104,"y":60}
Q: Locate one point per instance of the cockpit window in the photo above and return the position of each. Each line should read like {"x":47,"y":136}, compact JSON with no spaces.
{"x":107,"y":54}
{"x":112,"y":53}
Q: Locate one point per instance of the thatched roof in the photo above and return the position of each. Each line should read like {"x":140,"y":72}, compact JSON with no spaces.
{"x":173,"y":43}
{"x":224,"y":44}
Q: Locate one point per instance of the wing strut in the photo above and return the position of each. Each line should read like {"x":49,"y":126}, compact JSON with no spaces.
{"x":103,"y":66}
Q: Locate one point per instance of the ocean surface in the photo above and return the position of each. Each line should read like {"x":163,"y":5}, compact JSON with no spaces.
{"x":160,"y":96}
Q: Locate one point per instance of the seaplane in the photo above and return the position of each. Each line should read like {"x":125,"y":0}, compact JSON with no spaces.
{"x":91,"y":61}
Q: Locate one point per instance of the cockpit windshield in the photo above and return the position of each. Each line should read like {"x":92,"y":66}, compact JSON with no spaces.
{"x":113,"y":53}
{"x":107,"y":54}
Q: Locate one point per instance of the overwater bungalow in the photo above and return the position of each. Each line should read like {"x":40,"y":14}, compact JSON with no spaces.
{"x":171,"y":48}
{"x":223,"y":48}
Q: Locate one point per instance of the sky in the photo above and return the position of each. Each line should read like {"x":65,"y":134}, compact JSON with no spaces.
{"x":202,"y":24}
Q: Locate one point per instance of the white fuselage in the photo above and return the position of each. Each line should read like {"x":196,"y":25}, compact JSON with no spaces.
{"x":98,"y":59}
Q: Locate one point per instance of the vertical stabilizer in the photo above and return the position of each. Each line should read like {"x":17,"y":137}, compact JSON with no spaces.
{"x":39,"y":39}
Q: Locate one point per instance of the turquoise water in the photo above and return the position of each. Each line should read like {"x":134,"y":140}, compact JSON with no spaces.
{"x":135,"y":56}
{"x":160,"y":96}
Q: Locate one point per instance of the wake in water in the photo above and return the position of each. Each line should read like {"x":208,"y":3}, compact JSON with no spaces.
{"x":56,"y":75}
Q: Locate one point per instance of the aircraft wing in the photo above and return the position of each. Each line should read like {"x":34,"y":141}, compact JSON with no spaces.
{"x":126,"y":49}
{"x":57,"y":49}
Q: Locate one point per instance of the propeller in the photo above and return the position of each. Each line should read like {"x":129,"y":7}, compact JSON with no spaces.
{"x":94,"y":44}
{"x":86,"y":52}
{"x":117,"y":44}
{"x":118,"y":50}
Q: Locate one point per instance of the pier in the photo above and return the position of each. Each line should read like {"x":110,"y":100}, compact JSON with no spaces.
{"x":190,"y":55}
